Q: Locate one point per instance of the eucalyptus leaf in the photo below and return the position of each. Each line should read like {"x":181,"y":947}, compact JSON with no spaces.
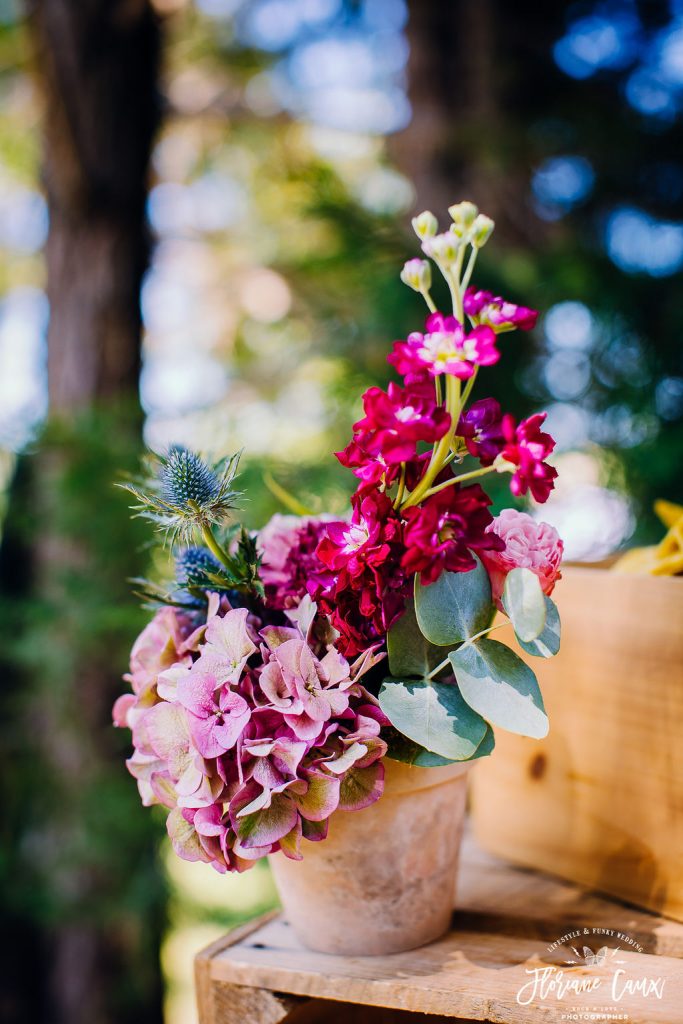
{"x":410,"y":653}
{"x":400,"y":748}
{"x":486,"y":747}
{"x":433,"y":715}
{"x":457,"y":606}
{"x":548,"y":643}
{"x":523,"y":600}
{"x":498,"y":685}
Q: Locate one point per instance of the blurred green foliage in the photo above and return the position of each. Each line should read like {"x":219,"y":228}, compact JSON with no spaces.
{"x":77,"y":848}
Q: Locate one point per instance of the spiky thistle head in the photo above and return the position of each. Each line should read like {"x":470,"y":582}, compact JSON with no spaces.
{"x":193,"y":565}
{"x":185,"y":478}
{"x":183,"y":495}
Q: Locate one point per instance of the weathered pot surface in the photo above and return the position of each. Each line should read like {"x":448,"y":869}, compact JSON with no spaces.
{"x":384,"y":879}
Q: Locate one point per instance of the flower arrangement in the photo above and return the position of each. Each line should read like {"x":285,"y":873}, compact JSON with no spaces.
{"x":281,"y":669}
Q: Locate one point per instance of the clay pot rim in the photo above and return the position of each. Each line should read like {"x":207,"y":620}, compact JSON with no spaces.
{"x":403,"y":778}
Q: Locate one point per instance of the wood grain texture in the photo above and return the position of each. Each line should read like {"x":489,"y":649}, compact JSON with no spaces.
{"x":600,"y":800}
{"x":508,"y":918}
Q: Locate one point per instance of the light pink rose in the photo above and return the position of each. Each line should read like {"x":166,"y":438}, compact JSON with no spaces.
{"x":528,"y":545}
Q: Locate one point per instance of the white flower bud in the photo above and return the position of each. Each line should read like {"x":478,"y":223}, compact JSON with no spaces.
{"x":463,"y":214}
{"x":417,"y":274}
{"x":482,"y":229}
{"x":425,"y":224}
{"x":443,"y":248}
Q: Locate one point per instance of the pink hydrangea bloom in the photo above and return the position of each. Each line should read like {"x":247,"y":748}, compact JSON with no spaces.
{"x":528,"y":545}
{"x":253,"y":739}
{"x":491,"y":310}
{"x":445,"y":347}
{"x":288,"y":545}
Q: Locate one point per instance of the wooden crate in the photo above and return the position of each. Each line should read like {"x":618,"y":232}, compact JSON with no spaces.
{"x":505,"y":926}
{"x":600,"y":800}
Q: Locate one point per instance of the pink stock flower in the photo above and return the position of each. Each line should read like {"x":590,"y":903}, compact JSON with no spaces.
{"x":492,"y":311}
{"x":526,"y":447}
{"x":366,"y":587}
{"x":440,"y":532}
{"x":395,"y":420}
{"x":528,"y":545}
{"x":444,"y":348}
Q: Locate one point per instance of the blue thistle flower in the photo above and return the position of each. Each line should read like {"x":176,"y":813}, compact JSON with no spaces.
{"x":194,"y":564}
{"x":185,"y":477}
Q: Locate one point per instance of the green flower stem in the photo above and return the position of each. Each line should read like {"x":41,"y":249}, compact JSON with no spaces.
{"x":467,"y":277}
{"x":489,"y":629}
{"x":470,"y":640}
{"x":213,"y":545}
{"x":439,"y":668}
{"x":401,"y":486}
{"x":458,"y":480}
{"x":441,"y":450}
{"x":431,"y":305}
{"x":467,"y":391}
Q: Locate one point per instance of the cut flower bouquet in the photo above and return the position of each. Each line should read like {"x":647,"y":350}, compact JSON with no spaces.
{"x":284,"y":671}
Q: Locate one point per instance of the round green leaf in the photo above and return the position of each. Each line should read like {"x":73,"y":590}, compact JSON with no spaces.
{"x":410,"y":653}
{"x":485,"y":748}
{"x":455,"y":607}
{"x":548,"y":643}
{"x":498,"y":685}
{"x":400,"y":748}
{"x":524,"y":602}
{"x":433,"y":715}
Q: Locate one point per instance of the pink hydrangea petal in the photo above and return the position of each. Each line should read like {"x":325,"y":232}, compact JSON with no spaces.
{"x":291,"y":843}
{"x":321,"y":796}
{"x":122,"y":706}
{"x":184,"y":838}
{"x":314,"y":831}
{"x":361,"y":787}
{"x":268,"y":825}
{"x":229,"y":644}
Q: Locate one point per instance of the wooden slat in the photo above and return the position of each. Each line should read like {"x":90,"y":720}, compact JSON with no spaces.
{"x":600,"y":799}
{"x":509,"y":916}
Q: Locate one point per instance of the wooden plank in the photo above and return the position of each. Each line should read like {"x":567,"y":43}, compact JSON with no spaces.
{"x":203,"y":981}
{"x":464,"y":976}
{"x":498,"y":897}
{"x":600,"y":800}
{"x":508,"y":917}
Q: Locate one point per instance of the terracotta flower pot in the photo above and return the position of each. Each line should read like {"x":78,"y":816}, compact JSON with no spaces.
{"x":384,"y":879}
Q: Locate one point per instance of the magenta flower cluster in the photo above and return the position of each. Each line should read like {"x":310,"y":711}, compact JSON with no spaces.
{"x":251,"y":736}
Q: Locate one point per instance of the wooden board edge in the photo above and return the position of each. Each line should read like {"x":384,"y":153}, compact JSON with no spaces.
{"x":235,"y":935}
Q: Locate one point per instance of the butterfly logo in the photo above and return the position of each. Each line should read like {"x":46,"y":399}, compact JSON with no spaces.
{"x":588,"y":957}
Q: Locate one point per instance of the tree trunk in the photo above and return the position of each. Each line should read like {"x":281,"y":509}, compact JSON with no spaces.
{"x":460,"y":142}
{"x":98,"y":62}
{"x":93,"y":895}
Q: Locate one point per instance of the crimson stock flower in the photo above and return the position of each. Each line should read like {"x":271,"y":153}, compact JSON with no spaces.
{"x":493,"y":311}
{"x":395,"y":420}
{"x":482,"y":429}
{"x":366,"y":587}
{"x":526,"y":447}
{"x":445,"y":347}
{"x":440,"y":533}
